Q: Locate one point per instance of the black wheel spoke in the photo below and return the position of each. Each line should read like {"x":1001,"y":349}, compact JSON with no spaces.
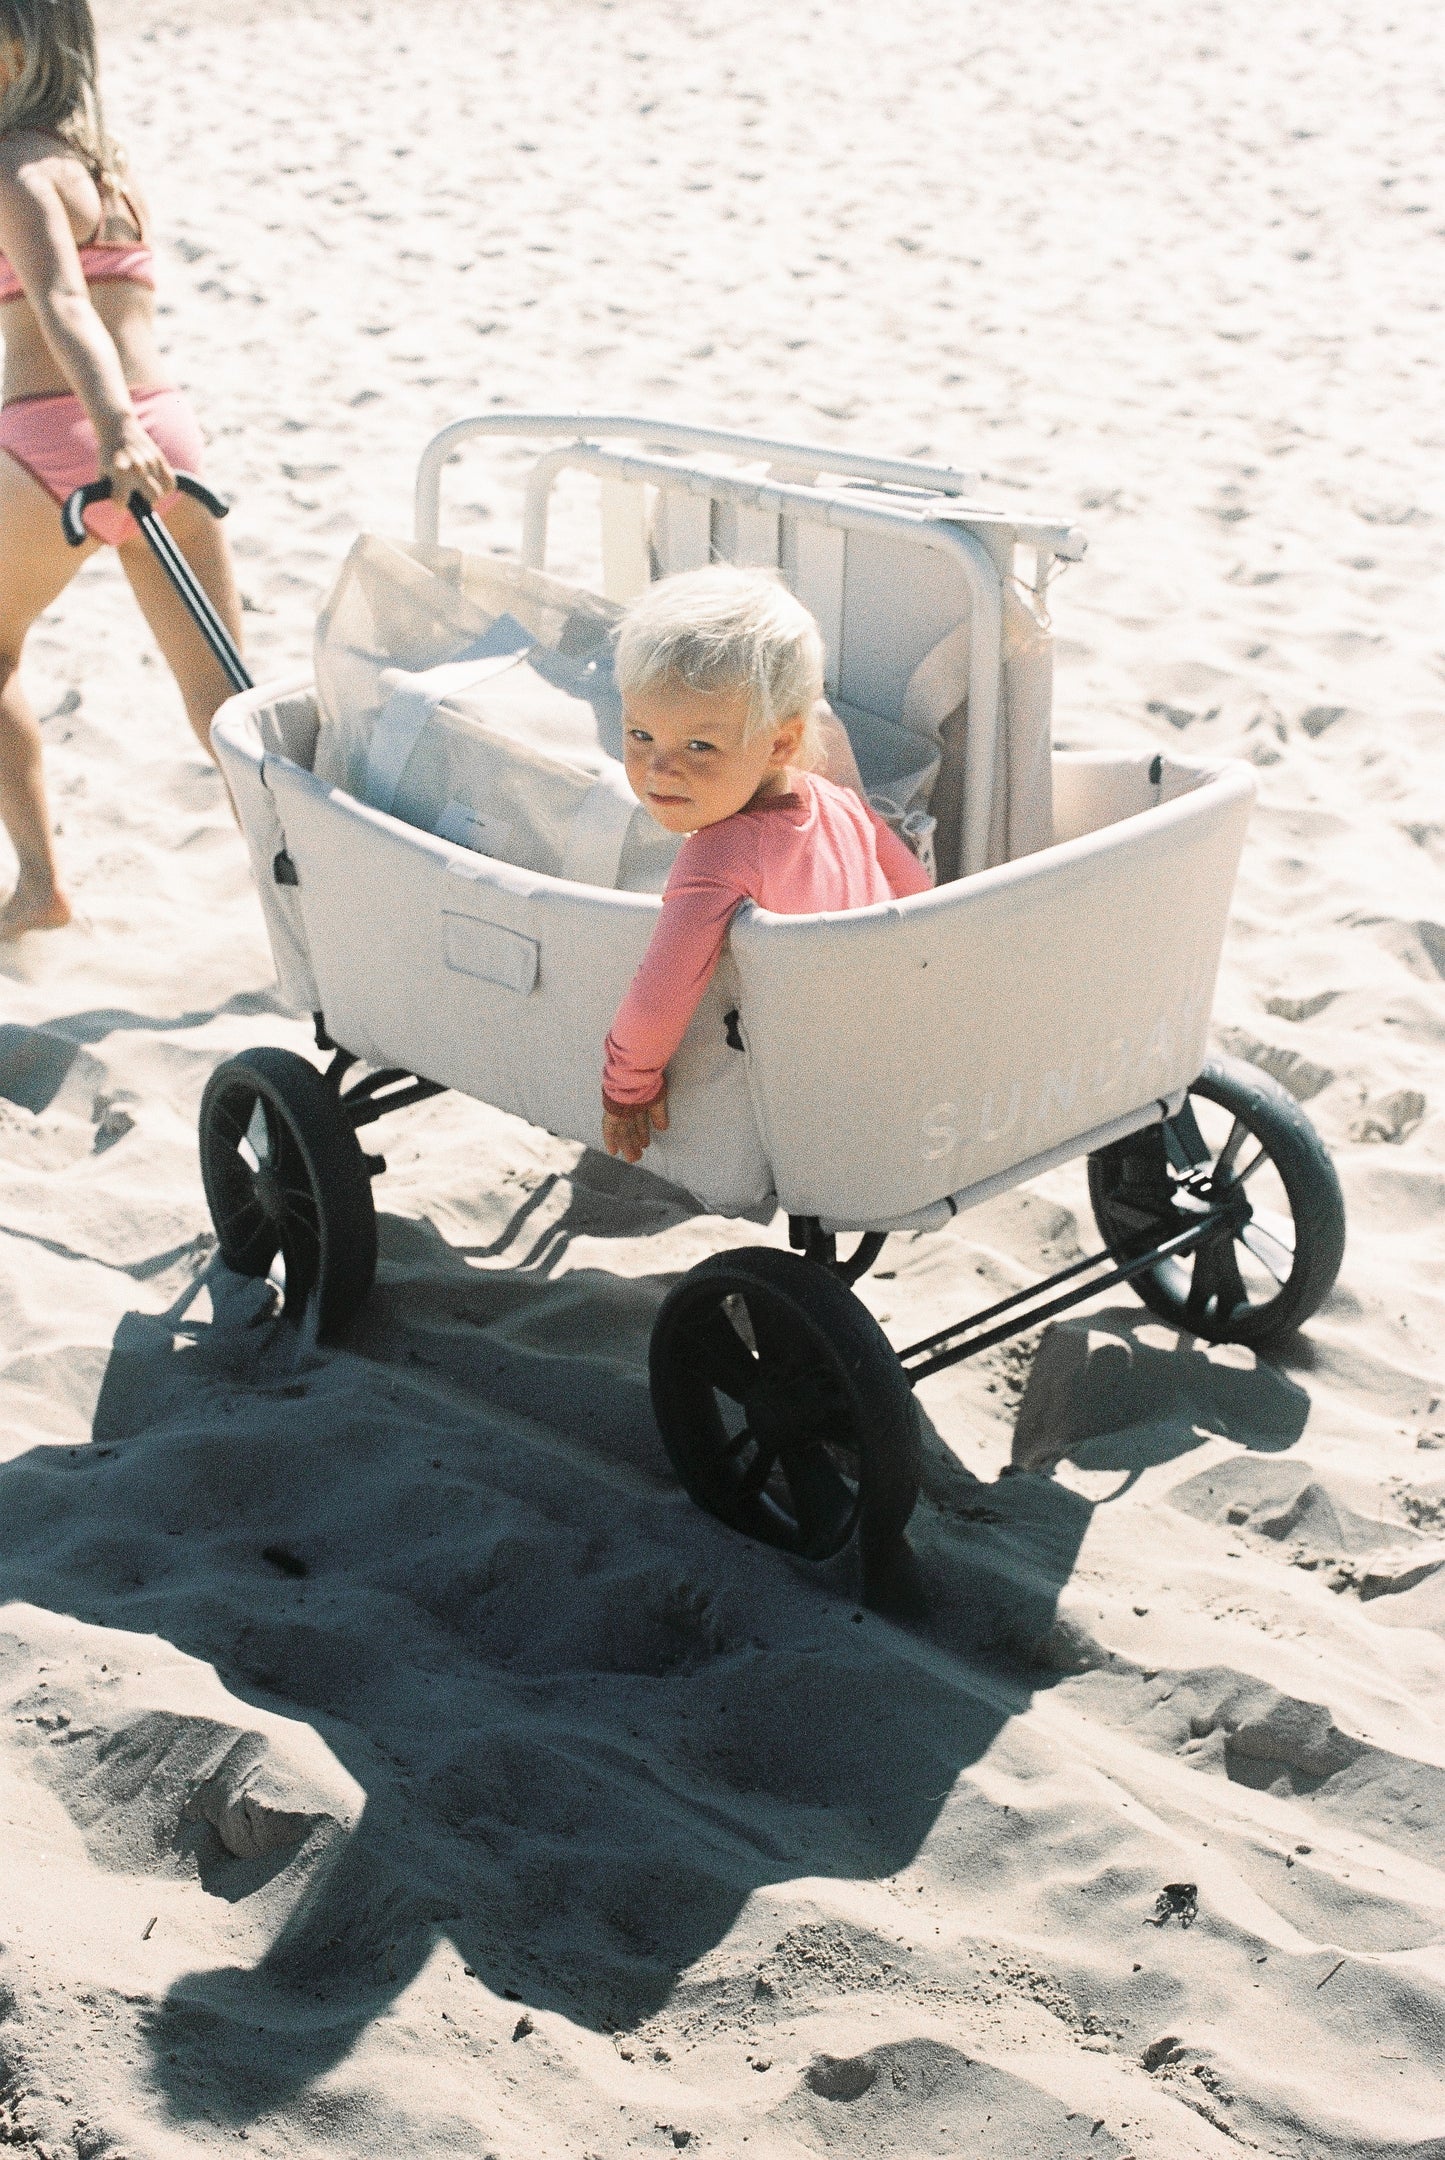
{"x":757,"y":1473}
{"x":230,"y":1123}
{"x":1224,"y":1161}
{"x":1271,"y":1241}
{"x":1216,"y":1289}
{"x":1196,"y":1304}
{"x":774,"y":1332}
{"x":246,"y":1229}
{"x":238,"y":1178}
{"x":1260,"y":1155}
{"x":245,"y":1210}
{"x":792,"y":1363}
{"x":268,"y":1127}
{"x":1229,"y":1288}
{"x":823,"y":1501}
{"x":721,"y":1354}
{"x":301,"y":1254}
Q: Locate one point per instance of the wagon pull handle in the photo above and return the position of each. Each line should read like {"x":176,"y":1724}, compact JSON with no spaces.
{"x":188,"y":587}
{"x":72,"y":516}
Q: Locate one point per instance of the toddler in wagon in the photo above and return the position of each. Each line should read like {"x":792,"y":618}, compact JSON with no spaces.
{"x":721,"y":676}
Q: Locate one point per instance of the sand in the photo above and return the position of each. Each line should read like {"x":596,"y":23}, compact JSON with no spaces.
{"x":391,"y":1759}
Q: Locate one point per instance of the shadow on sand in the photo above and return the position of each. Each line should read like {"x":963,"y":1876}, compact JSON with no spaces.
{"x":589,"y":1723}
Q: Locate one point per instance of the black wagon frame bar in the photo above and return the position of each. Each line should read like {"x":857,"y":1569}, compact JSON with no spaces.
{"x":1025,"y":1308}
{"x":379,"y":1093}
{"x":1026,"y":1313}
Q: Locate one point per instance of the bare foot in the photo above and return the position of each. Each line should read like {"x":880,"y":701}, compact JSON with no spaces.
{"x":33,"y":911}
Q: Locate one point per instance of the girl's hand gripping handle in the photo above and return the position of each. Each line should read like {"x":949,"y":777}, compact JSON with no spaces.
{"x":72,"y":517}
{"x":189,"y":589}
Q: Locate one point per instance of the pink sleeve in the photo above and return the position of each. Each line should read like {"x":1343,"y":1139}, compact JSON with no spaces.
{"x":896,"y":859}
{"x":703,"y":894}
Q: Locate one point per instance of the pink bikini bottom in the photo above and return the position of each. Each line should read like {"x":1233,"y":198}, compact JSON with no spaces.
{"x":55,"y":442}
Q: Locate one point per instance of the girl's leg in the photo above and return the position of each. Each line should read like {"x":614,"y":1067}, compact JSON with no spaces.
{"x":36,"y":565}
{"x":198,"y":674}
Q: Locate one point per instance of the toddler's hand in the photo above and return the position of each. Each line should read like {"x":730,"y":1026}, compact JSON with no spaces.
{"x":627,"y":1132}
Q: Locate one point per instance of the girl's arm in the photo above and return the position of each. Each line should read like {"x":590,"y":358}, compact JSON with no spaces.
{"x":700,"y":901}
{"x":35,"y":233}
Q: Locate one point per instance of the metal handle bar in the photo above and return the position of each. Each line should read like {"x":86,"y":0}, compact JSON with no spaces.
{"x":983,"y":565}
{"x":674,"y":435}
{"x":191,"y":592}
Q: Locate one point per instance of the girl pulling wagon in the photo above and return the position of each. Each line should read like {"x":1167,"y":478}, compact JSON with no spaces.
{"x":86,"y":394}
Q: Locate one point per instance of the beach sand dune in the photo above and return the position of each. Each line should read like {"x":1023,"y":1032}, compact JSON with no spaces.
{"x":391,"y":1758}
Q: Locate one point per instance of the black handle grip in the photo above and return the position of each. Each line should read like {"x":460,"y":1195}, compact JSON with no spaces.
{"x":72,"y":516}
{"x":188,"y":587}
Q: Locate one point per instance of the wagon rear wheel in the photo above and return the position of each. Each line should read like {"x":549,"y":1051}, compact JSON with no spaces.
{"x":286,"y":1181}
{"x":1277,"y":1253}
{"x":781,"y":1404}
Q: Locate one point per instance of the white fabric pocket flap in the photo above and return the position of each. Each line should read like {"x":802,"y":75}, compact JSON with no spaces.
{"x":492,"y":954}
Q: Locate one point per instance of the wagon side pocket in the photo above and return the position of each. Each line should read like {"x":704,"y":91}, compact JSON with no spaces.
{"x":490,"y":953}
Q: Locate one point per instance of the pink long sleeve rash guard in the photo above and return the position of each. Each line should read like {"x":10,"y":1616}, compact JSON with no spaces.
{"x":811,"y":851}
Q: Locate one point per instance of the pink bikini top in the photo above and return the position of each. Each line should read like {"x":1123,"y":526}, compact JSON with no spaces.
{"x":121,"y":262}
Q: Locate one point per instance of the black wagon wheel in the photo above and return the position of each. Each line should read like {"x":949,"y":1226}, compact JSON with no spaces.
{"x":1256,"y":1155}
{"x":782,"y":1405}
{"x":285,"y":1177}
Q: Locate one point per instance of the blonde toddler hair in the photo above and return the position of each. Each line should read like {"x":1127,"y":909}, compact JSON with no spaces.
{"x":725,"y":629}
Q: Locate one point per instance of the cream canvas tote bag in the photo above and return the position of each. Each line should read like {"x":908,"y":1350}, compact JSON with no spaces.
{"x":476,"y":701}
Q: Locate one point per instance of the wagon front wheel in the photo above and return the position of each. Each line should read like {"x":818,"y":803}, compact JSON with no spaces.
{"x":1242,"y":1145}
{"x":286,"y":1181}
{"x":781,"y":1404}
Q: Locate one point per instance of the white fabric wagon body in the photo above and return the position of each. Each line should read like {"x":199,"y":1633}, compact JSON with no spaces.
{"x":874,"y":1069}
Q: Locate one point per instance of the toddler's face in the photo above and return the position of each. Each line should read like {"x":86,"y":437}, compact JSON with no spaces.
{"x":690,"y":759}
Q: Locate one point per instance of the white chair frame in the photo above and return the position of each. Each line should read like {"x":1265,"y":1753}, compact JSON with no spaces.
{"x":931,"y":501}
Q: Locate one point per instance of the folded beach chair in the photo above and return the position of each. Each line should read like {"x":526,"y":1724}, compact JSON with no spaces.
{"x":453,"y":925}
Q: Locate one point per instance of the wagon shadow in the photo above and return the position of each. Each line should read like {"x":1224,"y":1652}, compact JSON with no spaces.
{"x":643,"y":1721}
{"x":1148,"y":1395}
